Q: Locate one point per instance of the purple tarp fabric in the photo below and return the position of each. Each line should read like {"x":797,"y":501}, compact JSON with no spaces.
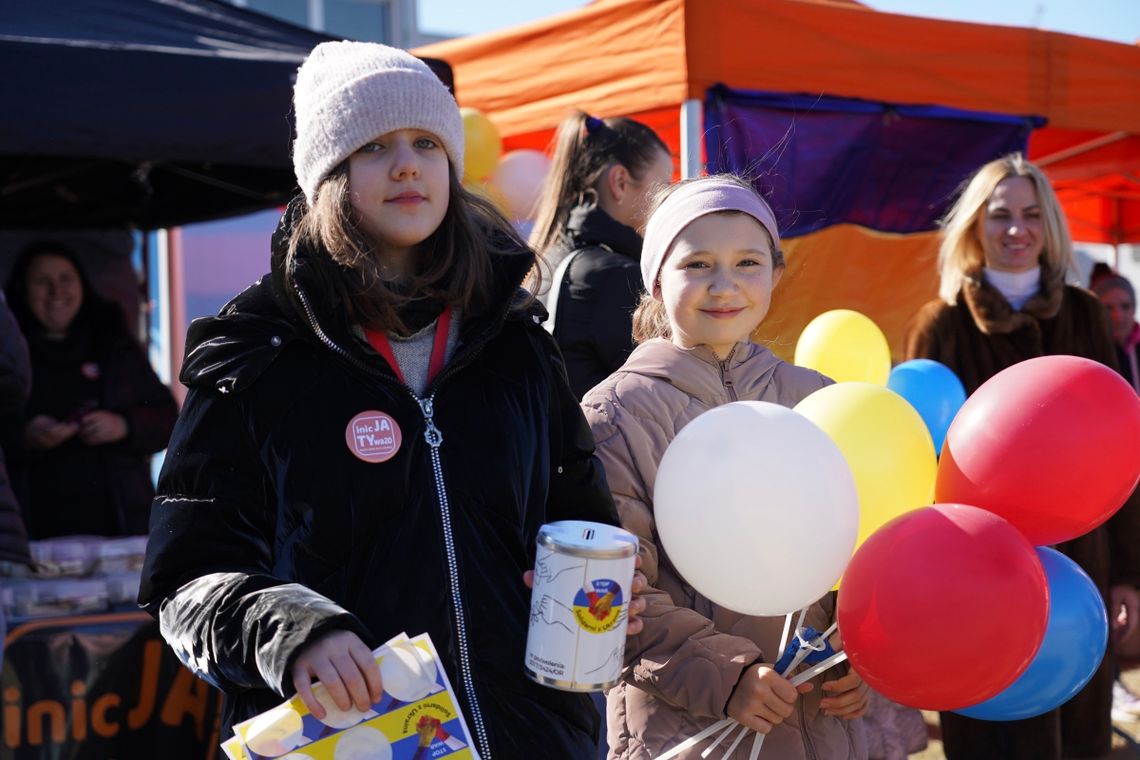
{"x":822,"y":161}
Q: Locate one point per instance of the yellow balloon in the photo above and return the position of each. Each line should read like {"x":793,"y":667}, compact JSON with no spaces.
{"x":886,"y":445}
{"x":482,"y":145}
{"x":846,"y":346}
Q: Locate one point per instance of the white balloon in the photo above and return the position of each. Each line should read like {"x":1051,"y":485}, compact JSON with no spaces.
{"x":756,"y":508}
{"x":519,"y":177}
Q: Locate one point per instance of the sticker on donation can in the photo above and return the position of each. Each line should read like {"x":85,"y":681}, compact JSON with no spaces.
{"x":580,"y":605}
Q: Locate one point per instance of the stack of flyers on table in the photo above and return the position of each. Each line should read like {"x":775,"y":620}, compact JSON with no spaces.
{"x":417,"y":717}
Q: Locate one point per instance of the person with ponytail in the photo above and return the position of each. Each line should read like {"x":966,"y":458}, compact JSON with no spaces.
{"x":587,"y":232}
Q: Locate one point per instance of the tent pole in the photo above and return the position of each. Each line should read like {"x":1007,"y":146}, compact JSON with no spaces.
{"x":690,"y":138}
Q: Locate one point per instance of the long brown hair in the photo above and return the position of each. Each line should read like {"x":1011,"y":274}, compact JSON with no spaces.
{"x":452,"y":266}
{"x":584,"y":148}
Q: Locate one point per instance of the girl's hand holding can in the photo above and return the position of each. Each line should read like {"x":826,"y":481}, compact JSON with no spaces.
{"x":637,"y":602}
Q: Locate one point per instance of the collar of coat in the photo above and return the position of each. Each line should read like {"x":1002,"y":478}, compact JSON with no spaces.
{"x":698,"y":371}
{"x":589,"y":225}
{"x":994,"y":315}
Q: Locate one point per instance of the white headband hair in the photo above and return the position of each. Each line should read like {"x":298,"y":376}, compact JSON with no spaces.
{"x":688,"y":203}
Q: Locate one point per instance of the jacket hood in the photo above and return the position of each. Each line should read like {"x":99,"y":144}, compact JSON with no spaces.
{"x":703,"y":375}
{"x":589,"y":225}
{"x":231,"y":350}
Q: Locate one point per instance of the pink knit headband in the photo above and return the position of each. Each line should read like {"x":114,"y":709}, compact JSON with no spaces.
{"x":688,"y":203}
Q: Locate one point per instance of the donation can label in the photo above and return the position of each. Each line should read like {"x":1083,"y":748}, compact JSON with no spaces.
{"x":580,"y":604}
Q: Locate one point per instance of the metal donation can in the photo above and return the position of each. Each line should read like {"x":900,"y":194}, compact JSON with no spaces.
{"x":579,"y":608}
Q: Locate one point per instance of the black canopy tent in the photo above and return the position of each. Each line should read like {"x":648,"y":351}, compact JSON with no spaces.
{"x":143,"y":113}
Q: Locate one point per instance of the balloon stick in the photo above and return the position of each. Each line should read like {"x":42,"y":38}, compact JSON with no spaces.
{"x":736,"y":742}
{"x":719,"y":739}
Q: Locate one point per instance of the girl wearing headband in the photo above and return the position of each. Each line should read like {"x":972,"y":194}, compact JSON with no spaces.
{"x":374,"y":432}
{"x":710,"y":261}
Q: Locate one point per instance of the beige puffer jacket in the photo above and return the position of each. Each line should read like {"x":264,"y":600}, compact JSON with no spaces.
{"x":682,"y":669}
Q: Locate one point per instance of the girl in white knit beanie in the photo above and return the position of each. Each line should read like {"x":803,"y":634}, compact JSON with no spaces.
{"x":374,"y":434}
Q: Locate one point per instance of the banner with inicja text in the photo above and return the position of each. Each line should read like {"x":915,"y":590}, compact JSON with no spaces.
{"x":101,"y":687}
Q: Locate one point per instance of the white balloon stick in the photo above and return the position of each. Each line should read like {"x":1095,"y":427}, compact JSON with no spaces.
{"x":814,"y":671}
{"x":719,"y":739}
{"x":800,"y":619}
{"x":784,"y":635}
{"x":756,"y":747}
{"x":697,"y":739}
{"x":736,"y":742}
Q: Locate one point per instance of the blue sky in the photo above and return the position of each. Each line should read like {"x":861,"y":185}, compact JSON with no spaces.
{"x":1117,"y":20}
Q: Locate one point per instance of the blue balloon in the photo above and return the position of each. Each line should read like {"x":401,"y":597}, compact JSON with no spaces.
{"x":1074,"y":644}
{"x":934,"y":390}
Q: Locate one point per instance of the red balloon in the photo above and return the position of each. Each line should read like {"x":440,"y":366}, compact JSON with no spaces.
{"x":943,"y":607}
{"x":1051,"y":444}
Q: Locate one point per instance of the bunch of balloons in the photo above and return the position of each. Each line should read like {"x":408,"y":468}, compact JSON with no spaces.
{"x":950,"y":607}
{"x":513,"y":180}
{"x":950,"y":600}
{"x":849,"y":347}
{"x":885,"y":440}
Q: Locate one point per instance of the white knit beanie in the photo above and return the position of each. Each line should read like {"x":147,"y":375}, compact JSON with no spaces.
{"x":348,"y":93}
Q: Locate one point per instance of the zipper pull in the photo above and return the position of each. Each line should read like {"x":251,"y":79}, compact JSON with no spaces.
{"x":724,"y":374}
{"x":431,"y":433}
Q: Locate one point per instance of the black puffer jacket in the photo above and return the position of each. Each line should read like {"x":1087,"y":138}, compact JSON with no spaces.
{"x":15,"y":385}
{"x":599,"y":293}
{"x":267,"y":530}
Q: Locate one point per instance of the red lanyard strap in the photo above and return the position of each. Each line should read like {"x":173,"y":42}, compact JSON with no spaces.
{"x":383,"y":346}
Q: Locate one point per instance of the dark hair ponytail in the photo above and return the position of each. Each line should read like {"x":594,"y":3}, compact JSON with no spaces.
{"x":584,"y":148}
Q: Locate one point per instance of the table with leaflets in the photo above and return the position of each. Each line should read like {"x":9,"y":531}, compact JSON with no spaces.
{"x":86,"y":675}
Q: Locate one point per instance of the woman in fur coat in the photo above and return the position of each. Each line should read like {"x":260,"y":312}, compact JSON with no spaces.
{"x":1004,"y":256}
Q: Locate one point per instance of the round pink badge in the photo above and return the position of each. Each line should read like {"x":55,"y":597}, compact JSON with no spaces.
{"x":373,"y":436}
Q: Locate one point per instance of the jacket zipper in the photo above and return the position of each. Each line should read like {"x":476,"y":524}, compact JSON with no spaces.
{"x":434,"y":439}
{"x":726,"y":378}
{"x":809,"y":748}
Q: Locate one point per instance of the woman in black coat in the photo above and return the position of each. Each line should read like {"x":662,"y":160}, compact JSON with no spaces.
{"x":80,"y":454}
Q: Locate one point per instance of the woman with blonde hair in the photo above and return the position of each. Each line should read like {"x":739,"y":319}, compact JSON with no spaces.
{"x":1003,"y":299}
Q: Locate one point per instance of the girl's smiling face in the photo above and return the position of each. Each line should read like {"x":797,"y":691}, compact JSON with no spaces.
{"x":398,"y":185}
{"x":716,"y":282}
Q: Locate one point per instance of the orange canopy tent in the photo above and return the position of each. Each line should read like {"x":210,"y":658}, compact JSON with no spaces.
{"x":655,"y":59}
